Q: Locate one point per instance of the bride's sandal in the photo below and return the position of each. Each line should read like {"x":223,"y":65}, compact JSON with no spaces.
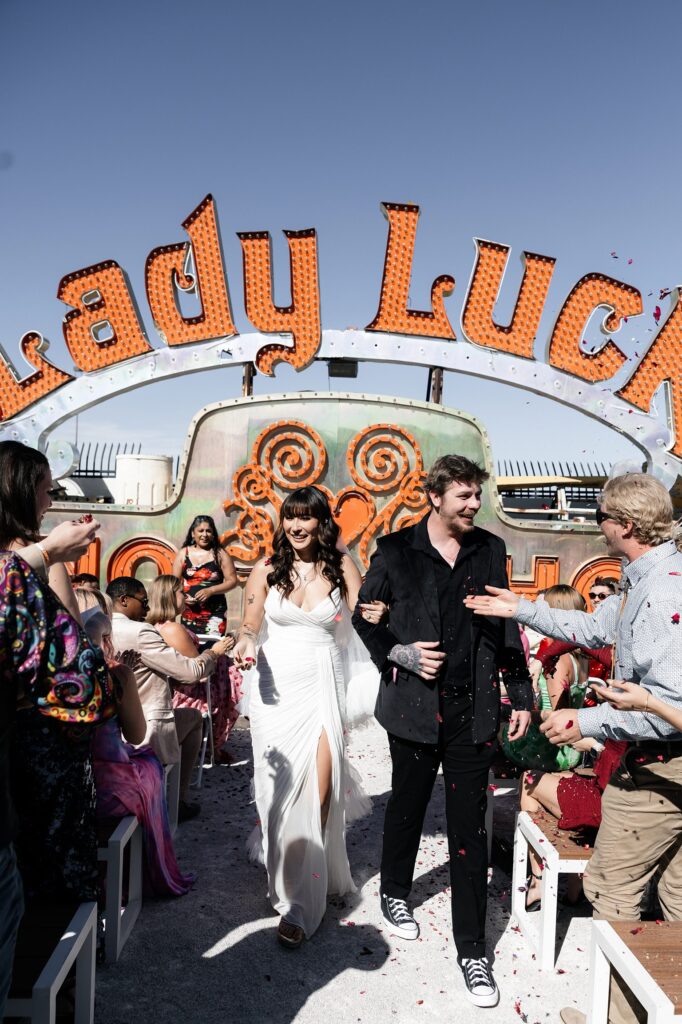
{"x":535,"y":904}
{"x":289,"y":935}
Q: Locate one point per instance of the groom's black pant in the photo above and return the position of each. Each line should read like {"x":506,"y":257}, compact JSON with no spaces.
{"x":465,"y":771}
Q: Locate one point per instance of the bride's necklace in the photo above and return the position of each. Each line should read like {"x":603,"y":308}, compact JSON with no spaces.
{"x":307,"y":576}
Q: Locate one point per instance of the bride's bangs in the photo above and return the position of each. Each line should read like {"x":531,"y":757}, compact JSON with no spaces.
{"x":297,"y":509}
{"x":305,"y":503}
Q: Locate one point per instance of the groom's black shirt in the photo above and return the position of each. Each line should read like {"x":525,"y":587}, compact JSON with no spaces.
{"x":425,"y":603}
{"x":453,"y":583}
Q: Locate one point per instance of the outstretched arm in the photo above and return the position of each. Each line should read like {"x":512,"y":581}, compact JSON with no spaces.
{"x":580,"y":628}
{"x":244,"y":651}
{"x":632,"y":697}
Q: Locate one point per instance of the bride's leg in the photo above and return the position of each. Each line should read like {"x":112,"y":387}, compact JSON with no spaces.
{"x":324,"y":776}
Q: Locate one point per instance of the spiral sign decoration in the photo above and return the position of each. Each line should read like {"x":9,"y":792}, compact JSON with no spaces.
{"x":385,"y":465}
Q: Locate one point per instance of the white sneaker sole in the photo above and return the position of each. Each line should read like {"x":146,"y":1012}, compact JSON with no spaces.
{"x":483,"y":1001}
{"x":396,"y":930}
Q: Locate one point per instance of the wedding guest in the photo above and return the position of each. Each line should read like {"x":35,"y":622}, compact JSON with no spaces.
{"x":166,"y":602}
{"x":51,"y":765}
{"x":174,"y":734}
{"x":636,"y":519}
{"x":603,"y":587}
{"x":65,"y":543}
{"x":207,"y":573}
{"x":63,"y":691}
{"x":130,"y":779}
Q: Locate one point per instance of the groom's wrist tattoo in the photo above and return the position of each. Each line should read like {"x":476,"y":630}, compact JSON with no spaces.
{"x":406,"y":655}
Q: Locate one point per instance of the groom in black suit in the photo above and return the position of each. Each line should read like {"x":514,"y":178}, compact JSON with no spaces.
{"x":439,"y":698}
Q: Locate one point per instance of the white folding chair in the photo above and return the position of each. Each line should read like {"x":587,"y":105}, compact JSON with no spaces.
{"x":35,"y":997}
{"x":120,"y":918}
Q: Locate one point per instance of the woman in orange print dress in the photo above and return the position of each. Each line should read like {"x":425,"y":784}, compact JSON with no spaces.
{"x":208,"y":574}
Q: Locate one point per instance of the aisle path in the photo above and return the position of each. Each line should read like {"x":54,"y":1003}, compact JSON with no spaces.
{"x":211,"y":956}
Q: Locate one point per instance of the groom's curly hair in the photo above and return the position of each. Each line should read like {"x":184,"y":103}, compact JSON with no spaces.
{"x":306,"y":502}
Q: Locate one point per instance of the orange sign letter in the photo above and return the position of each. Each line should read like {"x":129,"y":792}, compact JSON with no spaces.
{"x":393,"y":314}
{"x":661,"y":363}
{"x":15,"y":394}
{"x":302,"y":318}
{"x":103,"y":328}
{"x":592,"y":292}
{"x":165,"y":274}
{"x":477,"y":316}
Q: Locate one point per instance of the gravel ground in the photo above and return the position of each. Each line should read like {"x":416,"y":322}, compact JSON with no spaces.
{"x":212,"y":957}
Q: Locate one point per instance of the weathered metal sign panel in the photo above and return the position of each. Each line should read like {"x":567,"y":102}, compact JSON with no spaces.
{"x":369,"y":453}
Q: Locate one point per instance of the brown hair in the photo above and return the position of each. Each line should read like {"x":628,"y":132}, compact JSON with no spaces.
{"x":607,"y":581}
{"x":566,"y":598}
{"x":161,"y":593}
{"x":449,"y":469}
{"x":307,"y":502}
{"x":21,"y":471}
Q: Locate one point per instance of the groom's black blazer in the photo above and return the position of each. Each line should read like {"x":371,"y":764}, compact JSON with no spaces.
{"x":403,"y":576}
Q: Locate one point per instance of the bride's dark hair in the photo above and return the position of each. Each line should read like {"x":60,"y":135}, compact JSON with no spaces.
{"x":306,"y":502}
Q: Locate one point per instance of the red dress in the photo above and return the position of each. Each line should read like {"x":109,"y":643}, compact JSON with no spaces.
{"x":579,"y":796}
{"x":210,"y":616}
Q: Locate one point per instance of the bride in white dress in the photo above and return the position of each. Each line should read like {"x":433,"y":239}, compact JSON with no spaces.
{"x":296,"y":626}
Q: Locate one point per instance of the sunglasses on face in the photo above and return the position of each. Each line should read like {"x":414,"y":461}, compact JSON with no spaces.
{"x":597,"y":597}
{"x":602,"y":516}
{"x":135,"y":597}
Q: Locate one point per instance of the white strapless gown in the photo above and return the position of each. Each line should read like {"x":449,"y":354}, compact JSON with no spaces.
{"x":298,"y":692}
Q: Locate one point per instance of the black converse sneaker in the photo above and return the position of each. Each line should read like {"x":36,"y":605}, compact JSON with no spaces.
{"x":478,"y":978}
{"x":398,"y":918}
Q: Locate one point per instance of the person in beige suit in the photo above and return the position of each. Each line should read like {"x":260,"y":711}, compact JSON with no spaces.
{"x":173,"y":733}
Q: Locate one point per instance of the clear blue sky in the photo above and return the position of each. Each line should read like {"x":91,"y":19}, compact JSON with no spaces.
{"x":548,"y":126}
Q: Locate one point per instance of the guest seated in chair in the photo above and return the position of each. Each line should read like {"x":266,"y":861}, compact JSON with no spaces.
{"x":166,"y":603}
{"x":128,"y":779}
{"x":174,"y":735}
{"x":575,"y":800}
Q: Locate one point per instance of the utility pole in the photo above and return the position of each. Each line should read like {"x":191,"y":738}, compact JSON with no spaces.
{"x":247,"y":379}
{"x":434,"y":387}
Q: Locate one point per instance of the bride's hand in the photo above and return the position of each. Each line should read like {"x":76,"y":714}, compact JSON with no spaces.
{"x":374,"y":611}
{"x":244,"y":653}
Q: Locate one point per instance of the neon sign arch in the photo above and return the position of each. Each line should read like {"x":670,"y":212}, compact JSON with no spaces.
{"x":641,"y":399}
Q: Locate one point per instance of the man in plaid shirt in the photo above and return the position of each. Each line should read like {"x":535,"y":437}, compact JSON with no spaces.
{"x":642,"y":805}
